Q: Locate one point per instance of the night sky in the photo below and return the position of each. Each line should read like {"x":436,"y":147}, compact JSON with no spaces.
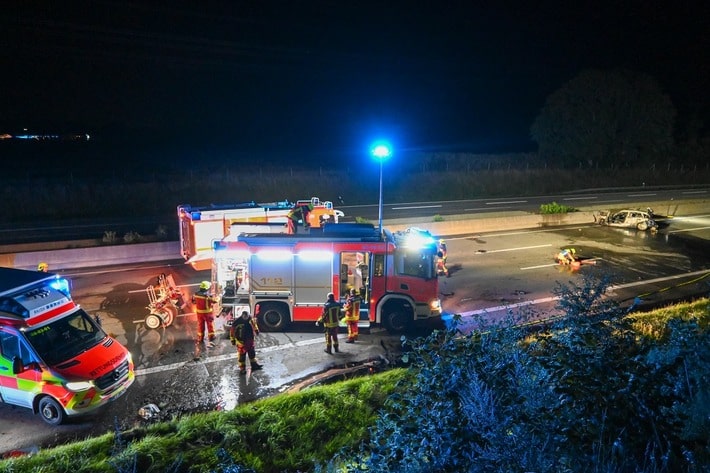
{"x":326,"y":77}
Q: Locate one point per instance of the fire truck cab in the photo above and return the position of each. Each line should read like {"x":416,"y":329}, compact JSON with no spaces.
{"x":285,"y":278}
{"x":54,"y":358}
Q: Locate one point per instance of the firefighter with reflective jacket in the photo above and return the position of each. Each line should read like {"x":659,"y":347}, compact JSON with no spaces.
{"x":244,"y":329}
{"x":352,"y":315}
{"x":330,"y":319}
{"x":203,"y":302}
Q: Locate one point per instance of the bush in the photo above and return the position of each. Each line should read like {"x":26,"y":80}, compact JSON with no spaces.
{"x":555,"y":208}
{"x":580,"y":393}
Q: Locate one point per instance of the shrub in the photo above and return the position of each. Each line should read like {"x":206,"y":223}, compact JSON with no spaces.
{"x":555,"y":208}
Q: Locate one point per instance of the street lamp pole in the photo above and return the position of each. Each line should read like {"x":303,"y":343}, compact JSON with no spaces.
{"x":380,"y":151}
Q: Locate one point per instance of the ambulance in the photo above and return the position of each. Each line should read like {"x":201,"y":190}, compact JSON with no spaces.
{"x":54,"y":358}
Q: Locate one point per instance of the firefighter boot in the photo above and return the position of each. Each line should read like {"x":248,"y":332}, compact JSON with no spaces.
{"x":255,"y":366}
{"x":336,"y":348}
{"x":242,"y":369}
{"x":327,"y":350}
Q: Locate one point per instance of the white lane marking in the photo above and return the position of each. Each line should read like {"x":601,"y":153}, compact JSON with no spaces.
{"x":556,"y":298}
{"x":418,"y":207}
{"x":507,"y":202}
{"x":641,"y":195}
{"x":485,"y":208}
{"x":580,"y":198}
{"x":689,"y":229}
{"x":694,"y":192}
{"x":229,"y":356}
{"x":514,"y":249}
{"x":539,"y":266}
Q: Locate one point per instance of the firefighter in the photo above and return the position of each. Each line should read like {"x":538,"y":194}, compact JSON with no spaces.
{"x":442,"y":248}
{"x":352,"y":315}
{"x":203,"y":302}
{"x":43,"y":267}
{"x":299,"y":212}
{"x":242,"y":334}
{"x":441,"y":268}
{"x":567,"y":256}
{"x":330,"y":318}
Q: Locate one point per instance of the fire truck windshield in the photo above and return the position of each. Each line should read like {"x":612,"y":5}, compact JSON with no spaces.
{"x":65,"y":338}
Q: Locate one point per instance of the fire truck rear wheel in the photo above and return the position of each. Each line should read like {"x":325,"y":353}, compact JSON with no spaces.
{"x":51,"y":411}
{"x":273,"y":318}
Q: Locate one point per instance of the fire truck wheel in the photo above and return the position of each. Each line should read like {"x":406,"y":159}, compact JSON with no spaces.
{"x":273,"y":318}
{"x":153,"y":321}
{"x":51,"y":411}
{"x":396,"y":320}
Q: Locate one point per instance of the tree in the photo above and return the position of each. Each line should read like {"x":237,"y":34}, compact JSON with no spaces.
{"x":606,"y":118}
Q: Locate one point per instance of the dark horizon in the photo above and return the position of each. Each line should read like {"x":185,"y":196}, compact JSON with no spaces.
{"x":324,"y":78}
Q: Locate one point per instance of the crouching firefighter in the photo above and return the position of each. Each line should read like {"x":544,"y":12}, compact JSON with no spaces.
{"x":244,"y":329}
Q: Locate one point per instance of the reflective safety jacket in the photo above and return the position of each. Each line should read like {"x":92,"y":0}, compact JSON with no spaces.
{"x":203,"y":302}
{"x":352,"y":309}
{"x":331,"y":314}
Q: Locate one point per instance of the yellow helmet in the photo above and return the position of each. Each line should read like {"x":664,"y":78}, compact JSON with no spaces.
{"x":44,"y":267}
{"x":205,"y":285}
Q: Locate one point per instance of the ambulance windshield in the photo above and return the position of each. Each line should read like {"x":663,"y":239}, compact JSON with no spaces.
{"x":65,"y":338}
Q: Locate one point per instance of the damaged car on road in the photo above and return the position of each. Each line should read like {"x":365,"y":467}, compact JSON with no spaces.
{"x":627,"y":218}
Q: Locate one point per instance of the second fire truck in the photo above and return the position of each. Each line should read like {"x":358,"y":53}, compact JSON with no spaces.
{"x":200,"y":226}
{"x":286,"y":278}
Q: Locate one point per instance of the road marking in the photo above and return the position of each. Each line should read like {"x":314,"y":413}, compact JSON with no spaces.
{"x":507,"y":202}
{"x":688,"y":229}
{"x":418,"y":207}
{"x":581,"y":198}
{"x":485,"y":208}
{"x":556,"y":298}
{"x":694,"y":192}
{"x":230,"y":356}
{"x":640,"y":195}
{"x":514,"y":249}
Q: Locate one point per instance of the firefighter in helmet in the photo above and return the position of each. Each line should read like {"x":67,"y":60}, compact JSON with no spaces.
{"x":43,"y":267}
{"x":330,"y":319}
{"x":352,"y":315}
{"x":567,"y":256}
{"x":203,"y":302}
{"x":242,"y":333}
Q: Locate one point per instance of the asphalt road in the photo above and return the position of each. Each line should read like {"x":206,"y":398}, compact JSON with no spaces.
{"x":491,"y":274}
{"x":604,"y":198}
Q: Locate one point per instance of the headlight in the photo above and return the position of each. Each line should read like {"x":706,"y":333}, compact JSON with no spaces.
{"x":435,"y":305}
{"x":78,"y":386}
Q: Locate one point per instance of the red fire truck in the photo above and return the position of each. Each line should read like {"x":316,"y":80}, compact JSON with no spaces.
{"x":200,"y":226}
{"x":54,"y":358}
{"x":286,"y":278}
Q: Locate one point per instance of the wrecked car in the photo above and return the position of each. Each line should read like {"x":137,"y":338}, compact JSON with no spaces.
{"x":627,"y":218}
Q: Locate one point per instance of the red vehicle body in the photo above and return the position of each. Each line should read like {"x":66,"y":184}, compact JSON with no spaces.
{"x":54,"y":358}
{"x":286,"y":278}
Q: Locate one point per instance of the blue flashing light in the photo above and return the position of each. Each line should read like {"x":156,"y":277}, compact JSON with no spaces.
{"x":62,"y":285}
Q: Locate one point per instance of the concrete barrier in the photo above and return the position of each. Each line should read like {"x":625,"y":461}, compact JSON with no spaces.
{"x":96,"y":256}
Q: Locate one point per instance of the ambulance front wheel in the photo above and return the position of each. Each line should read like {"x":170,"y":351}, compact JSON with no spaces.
{"x":51,"y":411}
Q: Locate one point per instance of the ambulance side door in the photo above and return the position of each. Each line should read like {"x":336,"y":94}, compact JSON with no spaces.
{"x":18,"y":389}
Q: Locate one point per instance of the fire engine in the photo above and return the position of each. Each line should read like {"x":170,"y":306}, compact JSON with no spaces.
{"x":200,"y":226}
{"x":54,"y":358}
{"x":286,"y":278}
